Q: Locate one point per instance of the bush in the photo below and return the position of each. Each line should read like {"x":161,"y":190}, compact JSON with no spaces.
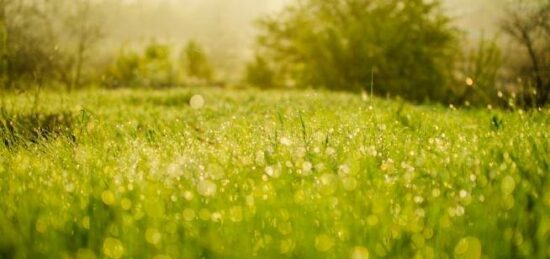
{"x":195,"y":62}
{"x":152,"y":69}
{"x":260,"y":74}
{"x":336,"y":44}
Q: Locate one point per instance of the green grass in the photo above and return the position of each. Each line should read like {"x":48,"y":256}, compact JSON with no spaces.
{"x":140,"y":174}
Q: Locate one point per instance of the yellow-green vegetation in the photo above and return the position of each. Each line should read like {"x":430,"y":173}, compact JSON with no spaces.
{"x":195,"y":173}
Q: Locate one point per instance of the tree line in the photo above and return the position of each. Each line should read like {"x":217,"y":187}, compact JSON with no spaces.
{"x":56,"y":44}
{"x":408,"y":49}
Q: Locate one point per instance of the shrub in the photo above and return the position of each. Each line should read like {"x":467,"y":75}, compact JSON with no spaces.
{"x":336,"y":44}
{"x":152,"y":69}
{"x":260,"y":74}
{"x":195,"y":62}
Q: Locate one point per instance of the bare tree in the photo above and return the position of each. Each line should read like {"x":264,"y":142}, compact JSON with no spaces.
{"x":86,"y":32}
{"x":528,"y":23}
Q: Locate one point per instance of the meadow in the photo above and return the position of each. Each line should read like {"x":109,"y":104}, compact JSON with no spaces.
{"x":211,"y":173}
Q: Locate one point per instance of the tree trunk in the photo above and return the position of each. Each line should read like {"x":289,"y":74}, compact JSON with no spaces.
{"x":542,"y":94}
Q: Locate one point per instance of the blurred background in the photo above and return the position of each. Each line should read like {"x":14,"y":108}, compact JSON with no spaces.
{"x":460,"y":52}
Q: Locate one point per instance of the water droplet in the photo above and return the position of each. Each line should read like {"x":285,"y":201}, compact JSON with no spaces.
{"x":113,"y":248}
{"x":285,"y":141}
{"x":153,"y":236}
{"x":108,"y":197}
{"x":468,"y":248}
{"x":197,"y":102}
{"x":126,"y":204}
{"x":328,"y":184}
{"x":323,"y":243}
{"x":508,"y":185}
{"x":154,"y":208}
{"x":188,"y":214}
{"x":41,"y":225}
{"x":359,"y":252}
{"x":287,"y":246}
{"x":236,"y":214}
{"x":349,"y":183}
{"x":206,"y":188}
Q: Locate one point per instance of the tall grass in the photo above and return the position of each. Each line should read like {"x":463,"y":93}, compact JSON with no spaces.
{"x":141,"y":174}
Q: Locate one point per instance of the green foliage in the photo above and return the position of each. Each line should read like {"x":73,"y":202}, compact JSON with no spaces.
{"x":336,"y":43}
{"x":45,"y":42}
{"x":260,"y":74}
{"x":154,"y":68}
{"x":482,"y":66}
{"x":195,"y":62}
{"x":271,"y":175}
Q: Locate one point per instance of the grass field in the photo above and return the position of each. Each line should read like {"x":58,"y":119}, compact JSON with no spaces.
{"x":142,"y":174}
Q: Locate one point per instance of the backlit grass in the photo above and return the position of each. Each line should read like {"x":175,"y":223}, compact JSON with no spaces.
{"x":246,"y":174}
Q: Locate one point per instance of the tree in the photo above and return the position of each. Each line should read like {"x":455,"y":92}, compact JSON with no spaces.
{"x":195,"y":62}
{"x":28,"y":44}
{"x":260,"y":74}
{"x":45,"y":41}
{"x":528,"y":23}
{"x":336,"y":44}
{"x":86,"y":32}
{"x":3,"y":45}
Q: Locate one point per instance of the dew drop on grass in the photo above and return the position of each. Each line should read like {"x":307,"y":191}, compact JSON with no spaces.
{"x":41,"y":225}
{"x":85,"y":222}
{"x":463,"y":194}
{"x":154,"y":208}
{"x":508,"y":202}
{"x":272,"y":171}
{"x":153,"y":236}
{"x":126,"y":204}
{"x":306,"y":167}
{"x":197,"y":102}
{"x":508,"y":185}
{"x":323,"y":243}
{"x":468,"y":248}
{"x":188,"y":214}
{"x":359,"y":252}
{"x":287,"y":246}
{"x":216,"y":217}
{"x":108,"y":197}
{"x":236,"y":214}
{"x":349,"y":183}
{"x":285,"y":141}
{"x":113,"y":248}
{"x":206,"y":188}
{"x":328,"y":184}
{"x":204,"y":214}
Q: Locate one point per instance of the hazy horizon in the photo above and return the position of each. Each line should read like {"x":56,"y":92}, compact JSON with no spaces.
{"x":226,"y":27}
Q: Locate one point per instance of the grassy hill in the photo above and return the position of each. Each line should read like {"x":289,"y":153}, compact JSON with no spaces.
{"x":201,"y":173}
